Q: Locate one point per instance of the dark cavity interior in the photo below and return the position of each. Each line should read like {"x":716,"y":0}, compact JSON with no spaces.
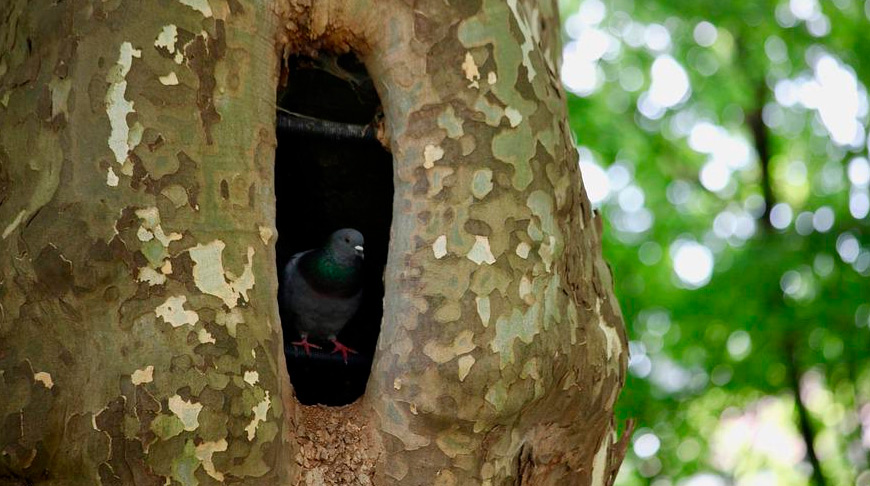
{"x":331,"y":173}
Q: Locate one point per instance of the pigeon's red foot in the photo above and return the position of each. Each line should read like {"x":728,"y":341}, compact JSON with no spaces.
{"x":306,"y":345}
{"x":341,"y":348}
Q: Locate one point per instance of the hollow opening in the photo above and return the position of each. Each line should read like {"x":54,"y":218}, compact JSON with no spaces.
{"x":331,"y":173}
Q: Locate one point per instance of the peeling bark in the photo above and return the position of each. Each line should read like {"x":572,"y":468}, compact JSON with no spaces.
{"x":139,"y":333}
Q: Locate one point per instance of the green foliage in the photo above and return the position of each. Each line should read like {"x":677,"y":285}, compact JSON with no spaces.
{"x":715,"y":358}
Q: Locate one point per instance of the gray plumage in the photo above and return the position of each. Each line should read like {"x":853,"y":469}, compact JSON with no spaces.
{"x":323,"y":287}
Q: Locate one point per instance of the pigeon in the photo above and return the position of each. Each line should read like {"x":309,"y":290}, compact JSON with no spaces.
{"x":323,"y":289}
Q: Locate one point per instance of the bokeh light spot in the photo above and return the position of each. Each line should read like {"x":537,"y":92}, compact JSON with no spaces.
{"x":693,"y":263}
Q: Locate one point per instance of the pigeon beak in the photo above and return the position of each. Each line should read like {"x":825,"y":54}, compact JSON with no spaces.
{"x":359,"y":250}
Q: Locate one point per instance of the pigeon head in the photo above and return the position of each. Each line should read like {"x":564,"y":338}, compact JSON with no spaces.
{"x":345,"y":244}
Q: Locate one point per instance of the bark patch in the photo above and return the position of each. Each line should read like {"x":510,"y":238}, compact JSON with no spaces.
{"x":53,"y":271}
{"x":203,"y":54}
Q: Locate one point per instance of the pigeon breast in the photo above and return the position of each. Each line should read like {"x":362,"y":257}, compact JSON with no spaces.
{"x":321,"y":295}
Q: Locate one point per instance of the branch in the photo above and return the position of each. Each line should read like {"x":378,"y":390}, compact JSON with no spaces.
{"x":806,"y":427}
{"x":755,"y":120}
{"x":761,"y":141}
{"x":295,"y":124}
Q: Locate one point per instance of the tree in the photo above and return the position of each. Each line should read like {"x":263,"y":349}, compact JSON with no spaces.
{"x":763,"y":134}
{"x":140,"y":340}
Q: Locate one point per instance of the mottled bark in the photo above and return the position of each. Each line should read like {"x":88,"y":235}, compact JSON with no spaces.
{"x":139,"y":338}
{"x":139,"y":334}
{"x":502,"y":348}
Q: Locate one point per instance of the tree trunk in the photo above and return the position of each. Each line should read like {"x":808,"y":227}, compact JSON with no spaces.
{"x":139,"y":334}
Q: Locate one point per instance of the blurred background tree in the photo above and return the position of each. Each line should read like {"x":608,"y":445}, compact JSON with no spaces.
{"x":725,"y":141}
